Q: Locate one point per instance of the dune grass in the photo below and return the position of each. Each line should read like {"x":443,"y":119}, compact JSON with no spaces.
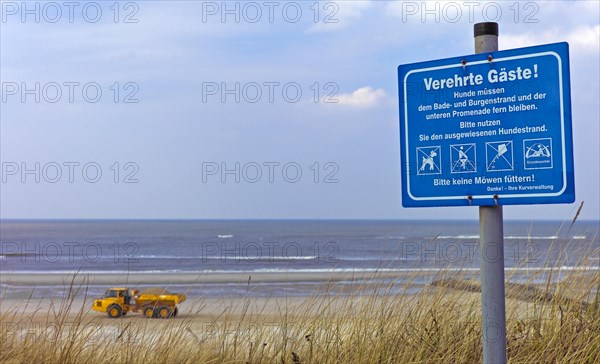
{"x":554,"y":322}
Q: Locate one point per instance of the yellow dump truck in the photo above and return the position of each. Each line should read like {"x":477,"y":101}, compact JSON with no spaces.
{"x":152,"y":302}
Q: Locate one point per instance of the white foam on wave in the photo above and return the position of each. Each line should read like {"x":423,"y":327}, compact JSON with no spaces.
{"x":520,"y":237}
{"x":269,"y":258}
{"x":458,"y":237}
{"x":225,"y":256}
{"x":525,"y":237}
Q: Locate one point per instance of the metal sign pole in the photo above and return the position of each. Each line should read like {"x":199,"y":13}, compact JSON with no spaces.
{"x":491,"y":238}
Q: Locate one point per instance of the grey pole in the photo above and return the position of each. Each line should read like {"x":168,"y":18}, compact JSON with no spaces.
{"x":491,"y":244}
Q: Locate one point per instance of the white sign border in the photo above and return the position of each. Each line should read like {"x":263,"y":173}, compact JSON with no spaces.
{"x":562,"y":130}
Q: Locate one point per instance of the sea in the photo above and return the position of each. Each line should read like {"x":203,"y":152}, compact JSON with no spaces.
{"x":283,"y":247}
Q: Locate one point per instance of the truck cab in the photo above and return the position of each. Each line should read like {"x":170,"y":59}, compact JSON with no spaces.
{"x":122,"y":295}
{"x":116,"y":302}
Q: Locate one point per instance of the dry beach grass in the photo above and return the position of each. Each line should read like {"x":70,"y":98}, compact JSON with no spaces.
{"x":440,"y":324}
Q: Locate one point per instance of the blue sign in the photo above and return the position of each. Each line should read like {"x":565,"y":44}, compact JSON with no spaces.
{"x":487,"y":129}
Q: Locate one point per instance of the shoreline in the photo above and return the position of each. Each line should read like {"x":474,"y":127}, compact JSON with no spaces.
{"x":242,"y":277}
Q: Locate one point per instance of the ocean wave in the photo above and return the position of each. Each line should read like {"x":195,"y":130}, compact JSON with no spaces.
{"x":457,"y":237}
{"x":82,"y":272}
{"x":269,"y":258}
{"x":525,"y":237}
{"x":550,"y":237}
{"x":515,"y":237}
{"x":225,"y":256}
{"x":416,"y":258}
{"x":266,"y":258}
{"x":233,"y":257}
{"x":224,"y":236}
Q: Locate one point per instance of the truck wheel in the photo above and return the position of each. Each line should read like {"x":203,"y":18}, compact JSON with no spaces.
{"x":114,"y":311}
{"x":164,"y":312}
{"x":175,"y":312}
{"x":148,"y":311}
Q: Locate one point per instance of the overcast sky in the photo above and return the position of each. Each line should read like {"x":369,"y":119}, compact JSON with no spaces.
{"x":174,"y":101}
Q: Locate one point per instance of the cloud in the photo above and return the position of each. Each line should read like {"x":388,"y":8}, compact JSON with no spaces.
{"x":364,"y":97}
{"x":583,"y":38}
{"x":586,"y":37}
{"x":334,"y":15}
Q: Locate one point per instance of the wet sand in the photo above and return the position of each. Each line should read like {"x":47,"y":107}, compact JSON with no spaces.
{"x":38,"y":279}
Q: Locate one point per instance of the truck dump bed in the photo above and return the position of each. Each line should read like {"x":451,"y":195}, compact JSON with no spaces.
{"x":158,"y":296}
